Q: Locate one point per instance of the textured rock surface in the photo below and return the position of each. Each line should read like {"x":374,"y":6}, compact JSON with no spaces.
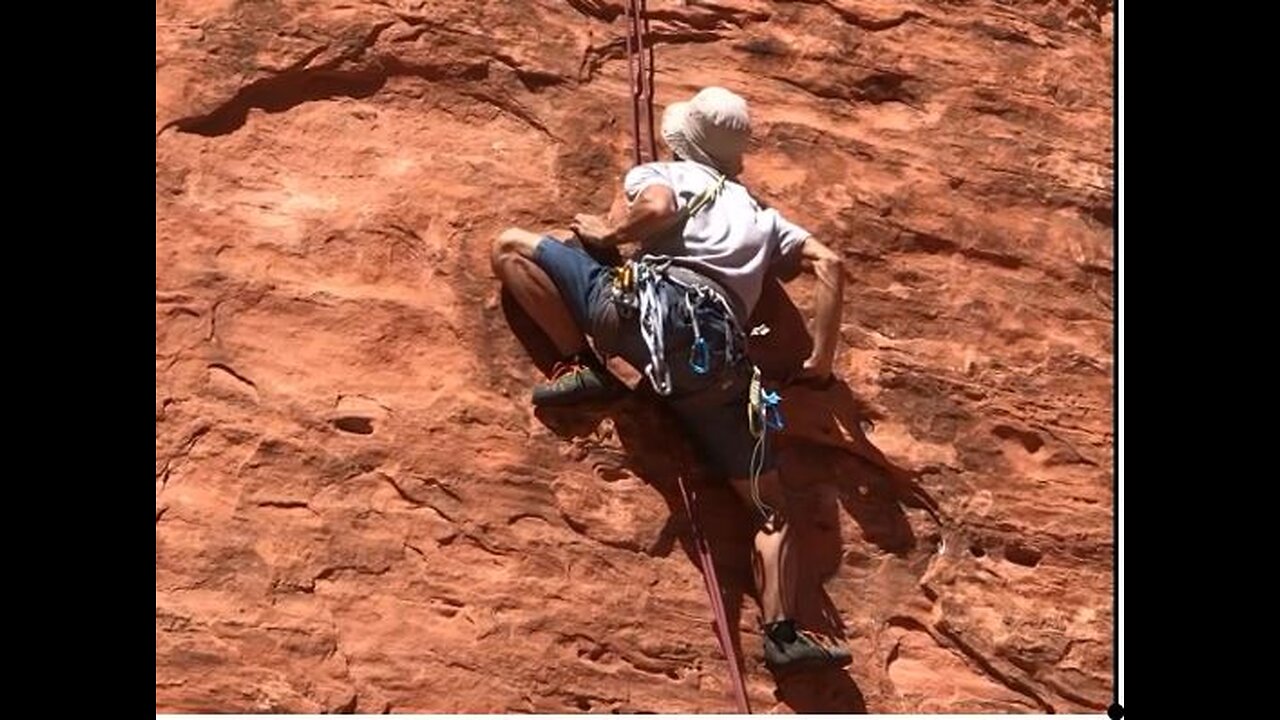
{"x":356,"y":507}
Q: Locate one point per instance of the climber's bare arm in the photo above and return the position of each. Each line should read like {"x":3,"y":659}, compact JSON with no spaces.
{"x":653,"y":211}
{"x":826,"y":264}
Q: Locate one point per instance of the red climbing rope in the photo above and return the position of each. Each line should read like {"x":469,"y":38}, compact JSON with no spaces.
{"x":717,"y":602}
{"x":640,"y":72}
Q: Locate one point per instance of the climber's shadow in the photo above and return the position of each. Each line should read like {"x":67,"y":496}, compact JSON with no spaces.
{"x":656,"y":452}
{"x":827,"y":464}
{"x":825,"y":690}
{"x":827,"y":461}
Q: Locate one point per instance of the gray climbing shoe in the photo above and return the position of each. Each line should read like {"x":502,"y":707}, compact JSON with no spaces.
{"x":786,"y":648}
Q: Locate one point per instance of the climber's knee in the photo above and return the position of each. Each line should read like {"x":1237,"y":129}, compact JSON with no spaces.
{"x":513,"y":242}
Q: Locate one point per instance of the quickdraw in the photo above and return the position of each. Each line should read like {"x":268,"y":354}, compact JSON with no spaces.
{"x":763,"y":415}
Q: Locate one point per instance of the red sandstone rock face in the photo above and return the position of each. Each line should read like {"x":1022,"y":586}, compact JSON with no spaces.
{"x":356,"y":508}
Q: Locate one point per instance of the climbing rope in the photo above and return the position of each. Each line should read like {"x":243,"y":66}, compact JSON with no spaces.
{"x":640,"y":71}
{"x":637,"y":285}
{"x":717,"y":602}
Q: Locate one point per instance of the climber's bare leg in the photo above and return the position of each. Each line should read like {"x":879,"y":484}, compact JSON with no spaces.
{"x":512,"y":259}
{"x":773,"y":558}
{"x":777,"y":577}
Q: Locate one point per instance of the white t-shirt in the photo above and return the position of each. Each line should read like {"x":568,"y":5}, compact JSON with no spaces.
{"x":733,"y":240}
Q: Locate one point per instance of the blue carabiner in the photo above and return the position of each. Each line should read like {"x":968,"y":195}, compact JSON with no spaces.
{"x":772,"y":414}
{"x":699,"y":357}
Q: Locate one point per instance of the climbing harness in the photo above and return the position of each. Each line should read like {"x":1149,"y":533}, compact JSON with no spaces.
{"x":637,"y":291}
{"x":636,"y":288}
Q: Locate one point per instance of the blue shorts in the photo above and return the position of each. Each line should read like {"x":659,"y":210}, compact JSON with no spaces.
{"x":712,"y":407}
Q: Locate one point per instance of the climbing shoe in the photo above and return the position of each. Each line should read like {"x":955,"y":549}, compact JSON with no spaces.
{"x":574,"y":382}
{"x":786,"y":648}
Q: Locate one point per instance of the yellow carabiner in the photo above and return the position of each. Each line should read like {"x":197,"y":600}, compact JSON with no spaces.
{"x":624,"y":278}
{"x":755,"y":413}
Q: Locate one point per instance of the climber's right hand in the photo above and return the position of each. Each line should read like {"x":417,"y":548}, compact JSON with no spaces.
{"x":591,"y":229}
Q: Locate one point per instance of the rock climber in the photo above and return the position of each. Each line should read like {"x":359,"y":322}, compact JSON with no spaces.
{"x":678,"y":313}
